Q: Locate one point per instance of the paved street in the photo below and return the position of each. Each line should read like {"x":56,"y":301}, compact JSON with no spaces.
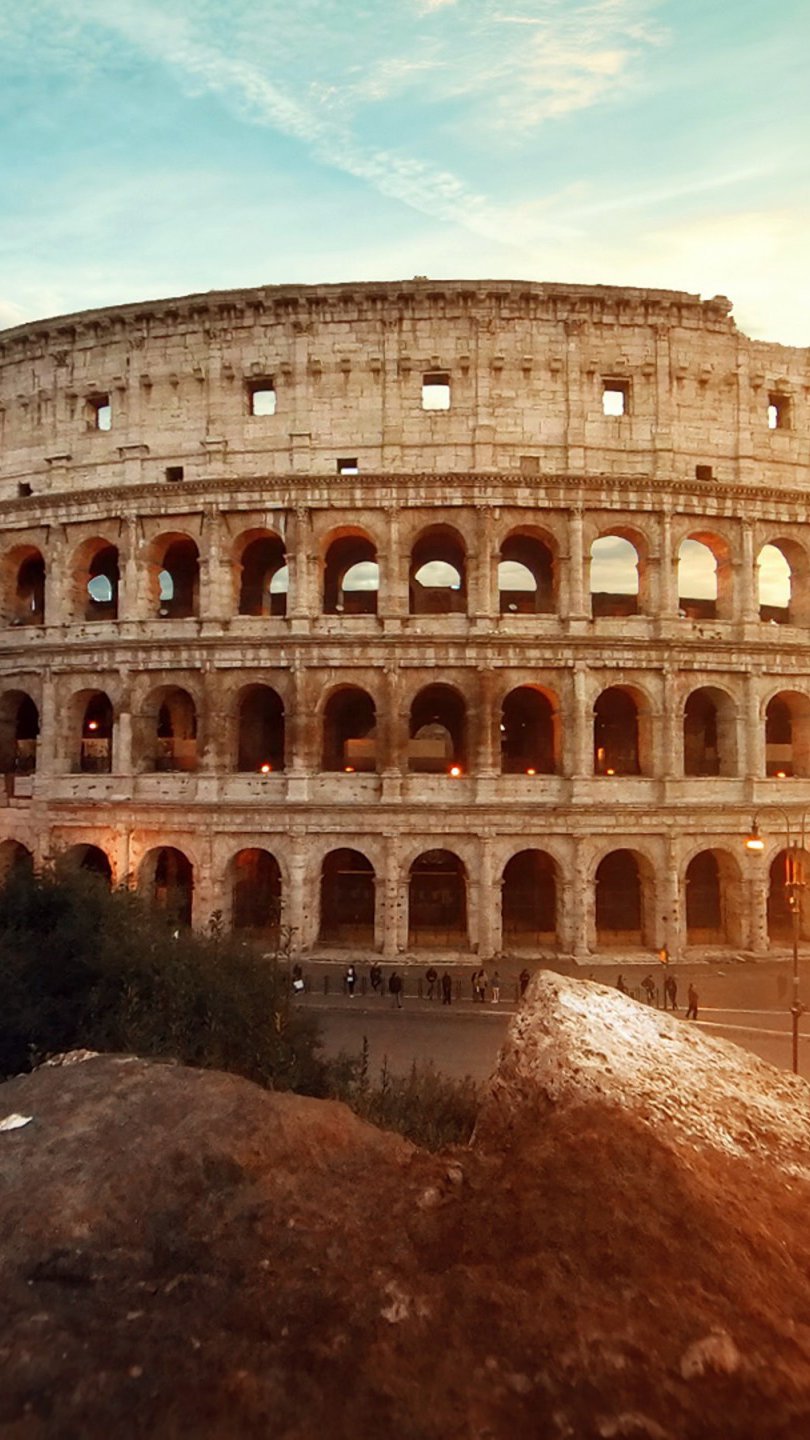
{"x":744,"y":1003}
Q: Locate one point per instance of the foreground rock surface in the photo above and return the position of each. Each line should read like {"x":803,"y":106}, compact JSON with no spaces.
{"x":623,"y":1251}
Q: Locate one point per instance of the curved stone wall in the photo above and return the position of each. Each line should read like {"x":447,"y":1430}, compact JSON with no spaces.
{"x":299,"y":584}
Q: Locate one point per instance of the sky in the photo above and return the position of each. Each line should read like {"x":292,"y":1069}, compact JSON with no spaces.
{"x":156,"y":149}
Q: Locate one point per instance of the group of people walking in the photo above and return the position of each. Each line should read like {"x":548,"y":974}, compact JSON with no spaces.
{"x":433,"y":986}
{"x":670,"y":993}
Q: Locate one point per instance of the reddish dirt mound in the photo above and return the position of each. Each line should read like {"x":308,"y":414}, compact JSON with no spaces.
{"x":623,"y":1251}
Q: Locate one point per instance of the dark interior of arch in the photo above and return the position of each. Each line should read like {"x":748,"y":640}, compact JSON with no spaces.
{"x":529,"y":900}
{"x":527,"y":733}
{"x":173,"y":885}
{"x":29,"y":599}
{"x":780,"y":910}
{"x":349,"y":731}
{"x":704,"y":918}
{"x":19,"y":731}
{"x":256,"y":895}
{"x":437,"y":901}
{"x":347,"y":899}
{"x":101,"y":600}
{"x":261,"y":730}
{"x":615,"y":734}
{"x":262,"y":559}
{"x":437,"y":731}
{"x":181,"y":562}
{"x":343,"y":554}
{"x":618,"y":899}
{"x":176,"y":737}
{"x":438,"y":545}
{"x":537,"y":558}
{"x":701,"y":750}
{"x":96,"y":741}
{"x":779,"y":759}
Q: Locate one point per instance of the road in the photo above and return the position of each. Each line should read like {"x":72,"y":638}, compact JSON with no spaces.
{"x":746,"y":1004}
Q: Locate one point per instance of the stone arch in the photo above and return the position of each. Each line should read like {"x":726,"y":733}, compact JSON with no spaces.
{"x":88,"y":858}
{"x":166,"y":736}
{"x":261,"y":573}
{"x":438,"y":572}
{"x":96,"y":580}
{"x":14,"y":858}
{"x":438,"y":731}
{"x":351,"y":574}
{"x":19,"y":733}
{"x":783,"y":583}
{"x":527,"y":574}
{"x":349,"y":730}
{"x":618,"y":572}
{"x":709,"y":732}
{"x":348,"y":899}
{"x":174,"y":576}
{"x":624,"y":902}
{"x":530,"y":732}
{"x":92,"y":728}
{"x":713,"y":899}
{"x":255,"y":889}
{"x":24,"y":585}
{"x":705,"y":576}
{"x":787,"y":735}
{"x":780,"y":895}
{"x":529,"y":901}
{"x":437,"y":902}
{"x":166,"y":879}
{"x":260,"y":725}
{"x":621,"y":741}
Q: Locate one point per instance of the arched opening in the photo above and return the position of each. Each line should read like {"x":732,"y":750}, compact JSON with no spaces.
{"x":709,"y":733}
{"x":437,"y":902}
{"x":713,"y":899}
{"x":616,"y":733}
{"x":528,"y":733}
{"x":438,"y":574}
{"x":438,"y":739}
{"x":178,"y":579}
{"x":347,"y":899}
{"x":89,"y":858}
{"x":525,"y":576}
{"x":168,"y":731}
{"x":774,"y":585}
{"x":704,"y":577}
{"x":787,"y":736}
{"x":351,"y":577}
{"x":614,"y":577}
{"x":529,"y":901}
{"x":620,"y":917}
{"x":95,"y":753}
{"x":256,"y":893}
{"x":14,"y":859}
{"x":264,"y":577}
{"x":781,"y":895}
{"x":261,"y":730}
{"x":167,"y":880}
{"x":99,"y":581}
{"x":28,"y":599}
{"x":19,"y":731}
{"x":350,"y":731}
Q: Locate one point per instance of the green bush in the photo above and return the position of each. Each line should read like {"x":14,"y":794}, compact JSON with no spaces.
{"x":431,"y":1109}
{"x":81,"y":966}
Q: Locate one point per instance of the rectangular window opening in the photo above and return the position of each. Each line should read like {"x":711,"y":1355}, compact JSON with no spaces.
{"x":262,"y":396}
{"x":99,"y":412}
{"x":615,"y":397}
{"x":530,"y":464}
{"x":778,"y":412}
{"x":348,"y":466}
{"x":24,"y":489}
{"x":435,"y":391}
{"x":174,"y":473}
{"x":704,"y":472}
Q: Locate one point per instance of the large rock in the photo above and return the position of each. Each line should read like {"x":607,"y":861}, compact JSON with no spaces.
{"x":623,"y":1251}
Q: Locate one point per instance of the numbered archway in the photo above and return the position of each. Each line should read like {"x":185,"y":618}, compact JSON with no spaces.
{"x":529,"y":901}
{"x":437,"y":902}
{"x":167,"y":880}
{"x":714,"y":901}
{"x":624,"y":895}
{"x":348,"y":892}
{"x":256,"y":893}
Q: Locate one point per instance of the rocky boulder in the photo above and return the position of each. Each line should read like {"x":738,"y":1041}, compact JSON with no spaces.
{"x":623,"y":1251}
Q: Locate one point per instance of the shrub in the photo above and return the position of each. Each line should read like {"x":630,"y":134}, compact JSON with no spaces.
{"x":431,"y":1109}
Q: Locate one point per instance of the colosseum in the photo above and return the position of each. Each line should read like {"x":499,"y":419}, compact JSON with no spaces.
{"x":459,"y":618}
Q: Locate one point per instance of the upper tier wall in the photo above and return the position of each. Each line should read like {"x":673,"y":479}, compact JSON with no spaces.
{"x":526,"y":363}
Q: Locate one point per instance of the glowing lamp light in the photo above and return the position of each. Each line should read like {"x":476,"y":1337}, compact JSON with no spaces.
{"x":92,"y":724}
{"x":754,"y":841}
{"x":455,"y":770}
{"x":530,"y":771}
{"x":781,"y":775}
{"x":348,"y":769}
{"x":610,"y":772}
{"x":266,"y":768}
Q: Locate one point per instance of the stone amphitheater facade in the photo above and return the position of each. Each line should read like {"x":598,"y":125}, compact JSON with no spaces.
{"x":300,"y":624}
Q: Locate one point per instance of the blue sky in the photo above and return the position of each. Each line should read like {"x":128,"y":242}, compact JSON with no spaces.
{"x":158,"y":149}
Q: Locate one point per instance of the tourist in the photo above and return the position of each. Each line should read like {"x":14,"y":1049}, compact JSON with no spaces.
{"x":525,"y":977}
{"x":496,"y":988}
{"x":620,"y":985}
{"x":375,"y":978}
{"x":481,"y":985}
{"x":648,"y":986}
{"x":349,"y":981}
{"x":447,"y":989}
{"x":395,"y":988}
{"x":432,"y":977}
{"x":692,"y":996}
{"x":671,"y":992}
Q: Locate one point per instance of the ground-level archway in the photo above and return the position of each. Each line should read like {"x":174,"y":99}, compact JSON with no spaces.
{"x":623,"y":900}
{"x":529,"y":901}
{"x":348,"y":893}
{"x":167,"y":880}
{"x":437,"y":902}
{"x":256,"y":892}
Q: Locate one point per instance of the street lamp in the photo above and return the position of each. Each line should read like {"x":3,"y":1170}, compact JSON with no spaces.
{"x":795,"y":881}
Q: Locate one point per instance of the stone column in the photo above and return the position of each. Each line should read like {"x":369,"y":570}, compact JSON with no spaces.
{"x":302,"y":604}
{"x":487,"y":750}
{"x":667,"y":571}
{"x":482,"y":601}
{"x":758,"y":885}
{"x":302,"y":738}
{"x":392,"y":898}
{"x":47,"y":742}
{"x":579,"y":752}
{"x":671,"y":761}
{"x":578,"y":903}
{"x":122,"y":743}
{"x":753,"y":737}
{"x":295,"y":917}
{"x":578,"y":603}
{"x":483,"y":940}
{"x":134,"y":600}
{"x":215,"y":602}
{"x":747,"y":574}
{"x":671,"y":927}
{"x":393,"y":596}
